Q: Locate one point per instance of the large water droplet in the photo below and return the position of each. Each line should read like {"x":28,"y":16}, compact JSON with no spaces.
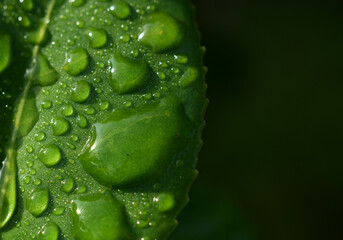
{"x":5,"y":51}
{"x":98,"y":217}
{"x":29,"y":116}
{"x":50,"y":155}
{"x":127,"y":74}
{"x":49,"y":232}
{"x":80,"y":91}
{"x":38,"y":201}
{"x":59,"y":126}
{"x":120,"y":9}
{"x":77,"y":61}
{"x":97,"y":37}
{"x":162,"y":32}
{"x":133,"y":145}
{"x":45,"y":75}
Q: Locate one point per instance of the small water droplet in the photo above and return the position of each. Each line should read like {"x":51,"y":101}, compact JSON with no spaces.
{"x":189,"y":76}
{"x":46,"y":104}
{"x":27,"y":5}
{"x":39,"y":136}
{"x":97,"y":37}
{"x":81,"y":121}
{"x":104,"y":105}
{"x":77,"y":61}
{"x":80,"y":92}
{"x":120,"y":9}
{"x":59,"y":126}
{"x":68,"y":185}
{"x":77,"y":3}
{"x":50,"y":155}
{"x":127,"y":74}
{"x":58,"y":210}
{"x":67,"y":110}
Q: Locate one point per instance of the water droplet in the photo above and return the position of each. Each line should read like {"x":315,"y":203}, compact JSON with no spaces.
{"x":97,"y":37}
{"x":104,"y":105}
{"x":38,"y":201}
{"x":189,"y":76}
{"x":117,"y":157}
{"x":46,"y":104}
{"x":74,"y":138}
{"x":49,"y":232}
{"x":58,"y":210}
{"x":68,"y":185}
{"x":77,"y":3}
{"x":59,"y":126}
{"x":32,"y":171}
{"x":67,"y":110}
{"x":99,"y":216}
{"x":121,"y":10}
{"x":161,"y":33}
{"x":81,"y":189}
{"x":29,"y":148}
{"x":80,"y":24}
{"x":80,"y":91}
{"x":24,"y":21}
{"x":81,"y":121}
{"x":50,"y":155}
{"x":45,"y":74}
{"x":27,"y":5}
{"x":125,"y":38}
{"x":39,"y":136}
{"x":37,"y":181}
{"x":27,"y":179}
{"x":89,"y":110}
{"x":77,"y":61}
{"x":181,"y":58}
{"x":165,"y":202}
{"x":127,"y":74}
{"x":161,"y":75}
{"x":5,"y":51}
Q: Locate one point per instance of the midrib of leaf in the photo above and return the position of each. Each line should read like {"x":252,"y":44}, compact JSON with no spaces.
{"x":8,"y":173}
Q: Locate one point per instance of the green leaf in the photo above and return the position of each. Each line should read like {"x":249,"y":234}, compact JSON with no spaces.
{"x":101,"y":112}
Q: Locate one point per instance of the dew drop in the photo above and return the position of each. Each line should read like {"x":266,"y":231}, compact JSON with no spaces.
{"x":50,"y":155}
{"x":59,"y":126}
{"x":161,"y":33}
{"x":46,"y":104}
{"x":49,"y":232}
{"x":104,"y":105}
{"x":97,"y":37}
{"x":127,"y":74}
{"x":38,"y":201}
{"x":99,"y":216}
{"x":117,"y":157}
{"x":77,"y":61}
{"x":39,"y":136}
{"x":80,"y":91}
{"x":5,"y":51}
{"x":81,"y":121}
{"x":58,"y":210}
{"x":121,"y":10}
{"x":89,"y":110}
{"x":67,"y":110}
{"x":68,"y":185}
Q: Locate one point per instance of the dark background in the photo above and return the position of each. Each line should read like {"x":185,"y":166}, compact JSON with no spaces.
{"x":271,"y":167}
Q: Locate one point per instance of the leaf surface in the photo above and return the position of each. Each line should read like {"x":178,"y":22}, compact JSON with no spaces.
{"x":102,"y":113}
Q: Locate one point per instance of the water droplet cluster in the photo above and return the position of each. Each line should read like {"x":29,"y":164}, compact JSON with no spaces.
{"x":116,"y":86}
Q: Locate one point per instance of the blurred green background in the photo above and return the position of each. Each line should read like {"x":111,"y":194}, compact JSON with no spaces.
{"x":272,"y":161}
